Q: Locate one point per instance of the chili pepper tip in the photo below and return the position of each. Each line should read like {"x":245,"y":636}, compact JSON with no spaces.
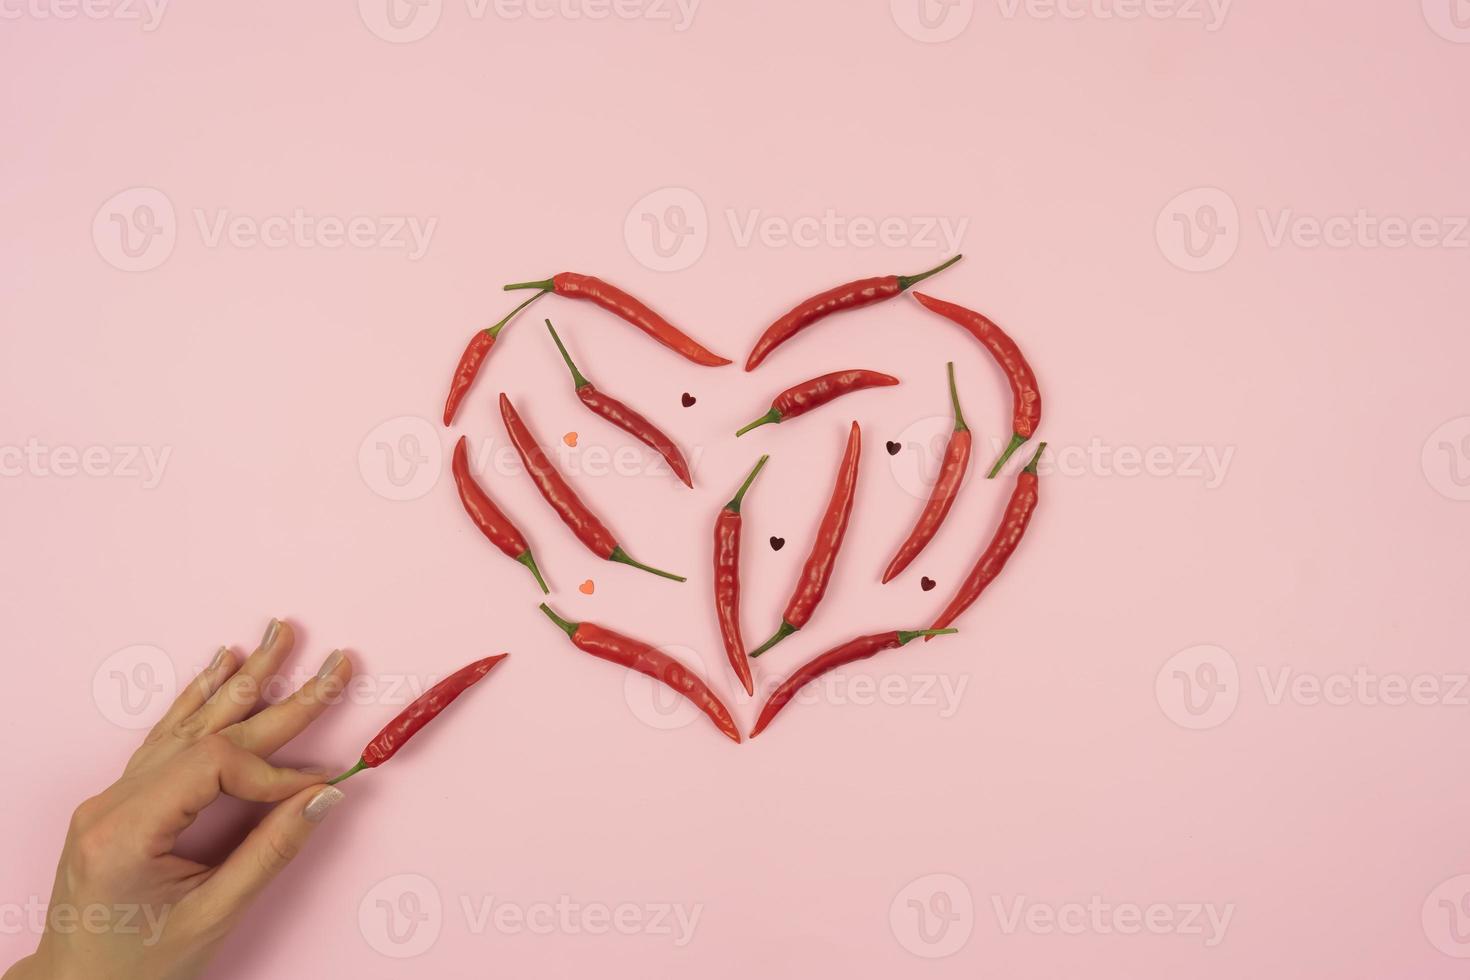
{"x":578,"y":381}
{"x":566,"y":627}
{"x":904,"y":282}
{"x":785,"y":630}
{"x":619,"y":555}
{"x":772,"y":416}
{"x":529,"y":560}
{"x":734,"y":505}
{"x":361,"y":765}
{"x":1017,"y":441}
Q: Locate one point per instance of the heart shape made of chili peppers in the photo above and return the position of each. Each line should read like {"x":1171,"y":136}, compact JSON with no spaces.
{"x":788,"y":404}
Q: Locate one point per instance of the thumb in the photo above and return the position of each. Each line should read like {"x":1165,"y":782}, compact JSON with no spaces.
{"x":273,"y":844}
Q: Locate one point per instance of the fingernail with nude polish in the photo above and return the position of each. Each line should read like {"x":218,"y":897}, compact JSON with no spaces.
{"x":316,"y":810}
{"x":271,"y":632}
{"x":329,"y":665}
{"x":219,"y":658}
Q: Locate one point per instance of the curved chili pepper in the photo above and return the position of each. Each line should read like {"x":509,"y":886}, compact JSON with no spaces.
{"x":946,"y":488}
{"x":489,"y":518}
{"x":1007,"y":536}
{"x":651,"y":661}
{"x":727,"y":580}
{"x":425,"y":709}
{"x":574,"y":285}
{"x":802,"y":398}
{"x":624,"y":417}
{"x":563,"y":499}
{"x":849,"y":296}
{"x":817,"y":572}
{"x":859,"y":649}
{"x":473,"y":357}
{"x":1025,"y":395}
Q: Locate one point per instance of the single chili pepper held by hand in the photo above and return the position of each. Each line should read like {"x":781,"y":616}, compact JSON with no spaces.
{"x":586,"y":525}
{"x":802,"y":398}
{"x":1007,"y":536}
{"x":727,"y":580}
{"x":473,"y":357}
{"x":952,"y":471}
{"x":817,"y":571}
{"x":858,"y":649}
{"x":848,"y":296}
{"x":574,"y":285}
{"x":1025,"y":394}
{"x":624,"y":417}
{"x":489,"y":518}
{"x":424,"y":710}
{"x":651,"y":661}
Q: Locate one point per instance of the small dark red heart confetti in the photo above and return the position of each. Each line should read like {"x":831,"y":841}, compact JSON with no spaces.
{"x":926,"y":583}
{"x":893,"y":448}
{"x":777,"y":543}
{"x":688,"y":399}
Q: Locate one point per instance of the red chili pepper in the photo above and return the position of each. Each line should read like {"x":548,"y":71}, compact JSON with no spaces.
{"x":563,"y":499}
{"x":489,"y":518}
{"x":858,"y":649}
{"x":574,"y":285}
{"x":1025,"y":395}
{"x":946,"y":488}
{"x":802,"y":398}
{"x":1007,"y":536}
{"x":624,"y":417}
{"x":819,"y":564}
{"x":849,"y":296}
{"x":473,"y":357}
{"x":727,"y":580}
{"x":397,"y":732}
{"x":646,"y":659}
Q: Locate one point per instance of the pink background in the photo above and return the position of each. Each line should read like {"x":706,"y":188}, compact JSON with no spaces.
{"x":1332,"y":378}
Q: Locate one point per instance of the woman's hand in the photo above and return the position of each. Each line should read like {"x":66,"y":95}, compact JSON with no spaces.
{"x":124,"y":905}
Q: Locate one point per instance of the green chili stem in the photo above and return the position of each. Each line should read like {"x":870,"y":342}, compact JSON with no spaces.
{"x":1031,"y":466}
{"x":1017,"y":441}
{"x":569,"y":628}
{"x":772,"y":416}
{"x":361,"y":765}
{"x":785,"y":630}
{"x":495,"y":330}
{"x":904,"y":282}
{"x":734,"y":505}
{"x":578,"y":381}
{"x":904,"y":636}
{"x":529,"y":560}
{"x":545,"y":285}
{"x":620,"y":555}
{"x":954,"y":397}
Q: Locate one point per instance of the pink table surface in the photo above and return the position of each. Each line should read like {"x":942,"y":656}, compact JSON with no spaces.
{"x":1205,"y":725}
